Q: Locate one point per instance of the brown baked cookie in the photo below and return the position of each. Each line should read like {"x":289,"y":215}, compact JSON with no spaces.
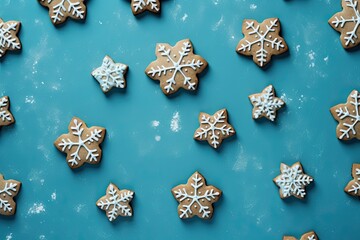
{"x":347,"y":23}
{"x":196,"y":198}
{"x":139,"y":6}
{"x":261,"y":40}
{"x":60,"y":10}
{"x":6,"y":118}
{"x":116,"y":202}
{"x":81,"y":144}
{"x":9,"y":40}
{"x":266,"y":104}
{"x":8,"y":190}
{"x":353,"y":187}
{"x":176,"y":67}
{"x":307,"y":236}
{"x":347,"y":114}
{"x":214,"y":129}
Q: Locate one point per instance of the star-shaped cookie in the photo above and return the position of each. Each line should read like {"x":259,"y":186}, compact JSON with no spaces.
{"x":214,"y":129}
{"x":81,"y":144}
{"x":116,"y":202}
{"x":6,"y":118}
{"x":60,"y":10}
{"x":266,"y":104}
{"x":110,"y":74}
{"x":9,"y":40}
{"x":292,"y":181}
{"x":8,"y":190}
{"x":348,"y":116}
{"x":307,"y":236}
{"x":347,"y":22}
{"x":353,"y":187}
{"x":139,"y":6}
{"x":196,"y":198}
{"x":261,"y":40}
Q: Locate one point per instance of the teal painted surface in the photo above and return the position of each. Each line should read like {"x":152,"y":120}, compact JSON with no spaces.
{"x":49,"y":82}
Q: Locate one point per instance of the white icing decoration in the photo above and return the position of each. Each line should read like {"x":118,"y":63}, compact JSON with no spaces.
{"x":59,"y":10}
{"x":140,"y":4}
{"x":312,"y":237}
{"x":6,"y":39}
{"x":8,"y":189}
{"x":4,"y":113}
{"x":356,"y":186}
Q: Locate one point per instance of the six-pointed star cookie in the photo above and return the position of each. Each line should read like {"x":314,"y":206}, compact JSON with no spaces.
{"x":307,"y":236}
{"x":214,"y":129}
{"x":292,"y":181}
{"x":110,"y":74}
{"x":8,"y":190}
{"x":266,"y":104}
{"x":347,"y":23}
{"x":8,"y":36}
{"x":6,"y":118}
{"x":348,"y":116}
{"x":176,"y":67}
{"x":60,"y":10}
{"x":353,"y":187}
{"x":81,"y":144}
{"x":139,"y":6}
{"x":261,"y":40}
{"x":196,"y":198}
{"x":116,"y":202}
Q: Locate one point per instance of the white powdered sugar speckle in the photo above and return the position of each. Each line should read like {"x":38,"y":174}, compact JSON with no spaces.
{"x":155,"y":123}
{"x":175,"y":122}
{"x":37,"y":208}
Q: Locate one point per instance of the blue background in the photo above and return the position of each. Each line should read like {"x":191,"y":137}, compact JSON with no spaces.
{"x":49,"y":82}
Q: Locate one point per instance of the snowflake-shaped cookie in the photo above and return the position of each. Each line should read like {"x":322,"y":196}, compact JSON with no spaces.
{"x":6,"y":118}
{"x":196,"y":198}
{"x":116,"y":202}
{"x":348,"y":116}
{"x":110,"y":74}
{"x":261,"y":40}
{"x":266,"y":104}
{"x":8,"y":36}
{"x":81,"y":144}
{"x":60,"y":10}
{"x":139,"y":6}
{"x":353,"y":187}
{"x":214,"y":129}
{"x":347,"y":23}
{"x":8,"y":190}
{"x":307,"y":236}
{"x":176,"y":67}
{"x":292,"y":181}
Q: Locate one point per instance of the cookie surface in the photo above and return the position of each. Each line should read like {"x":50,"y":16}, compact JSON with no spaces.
{"x":261,"y":40}
{"x":9,"y":40}
{"x":8,"y":190}
{"x":347,"y":23}
{"x":196,"y":198}
{"x":307,"y":236}
{"x":139,"y":6}
{"x":6,"y":118}
{"x":353,"y":187}
{"x":176,"y":67}
{"x":81,"y":144}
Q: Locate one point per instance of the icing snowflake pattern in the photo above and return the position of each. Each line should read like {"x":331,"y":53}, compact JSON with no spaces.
{"x":176,"y":67}
{"x":8,"y":190}
{"x":261,"y":40}
{"x":81,"y":144}
{"x":116,"y":202}
{"x":110,"y":74}
{"x":353,"y":187}
{"x":196,"y":198}
{"x":8,"y":36}
{"x":292,"y":181}
{"x":347,"y":23}
{"x":307,"y":236}
{"x":348,"y":117}
{"x":6,"y":118}
{"x":214,"y":128}
{"x":266,"y":103}
{"x":60,"y":10}
{"x":139,"y":6}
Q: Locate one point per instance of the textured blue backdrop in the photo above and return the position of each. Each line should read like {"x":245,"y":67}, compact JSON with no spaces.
{"x":49,"y":82}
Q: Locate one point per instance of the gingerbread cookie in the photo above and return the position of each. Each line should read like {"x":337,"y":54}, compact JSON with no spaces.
{"x":139,"y":6}
{"x":60,"y":10}
{"x":176,"y":67}
{"x":8,"y":190}
{"x":110,"y":74}
{"x":116,"y":202}
{"x":81,"y":144}
{"x":6,"y":118}
{"x":353,"y":187}
{"x":214,"y":129}
{"x":9,"y":40}
{"x":292,"y":181}
{"x":261,"y":40}
{"x":266,"y":104}
{"x":347,"y":114}
{"x":307,"y":236}
{"x":347,"y":23}
{"x":196,"y":198}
